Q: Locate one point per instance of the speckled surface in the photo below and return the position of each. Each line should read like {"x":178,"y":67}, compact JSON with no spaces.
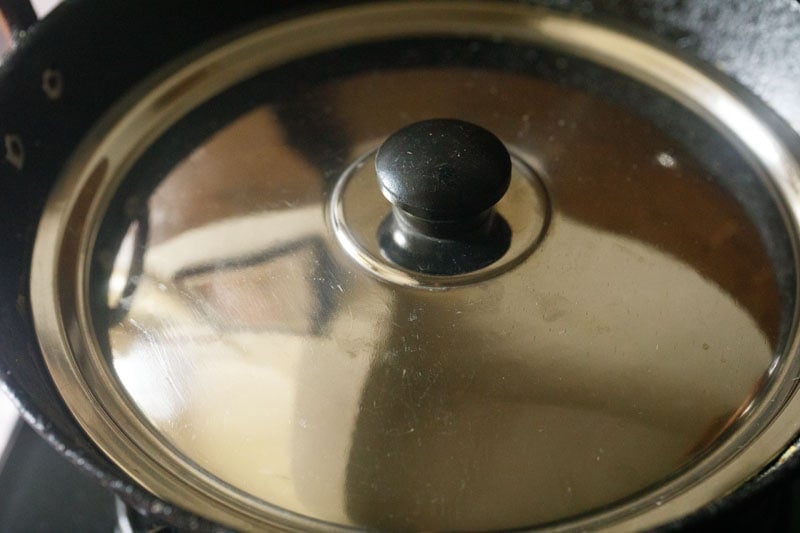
{"x":756,"y":43}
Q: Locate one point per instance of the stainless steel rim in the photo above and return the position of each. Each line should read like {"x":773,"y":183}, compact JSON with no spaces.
{"x":59,"y":273}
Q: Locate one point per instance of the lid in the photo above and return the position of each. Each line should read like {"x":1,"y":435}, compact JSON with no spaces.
{"x":437,"y":266}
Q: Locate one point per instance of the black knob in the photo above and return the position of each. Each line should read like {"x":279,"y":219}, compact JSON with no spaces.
{"x":443,"y":169}
{"x":443,"y":176}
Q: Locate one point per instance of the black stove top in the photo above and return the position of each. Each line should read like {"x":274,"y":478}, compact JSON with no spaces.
{"x":42,"y":491}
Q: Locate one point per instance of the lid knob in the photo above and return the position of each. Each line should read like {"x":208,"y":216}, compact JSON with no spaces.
{"x":443,"y":176}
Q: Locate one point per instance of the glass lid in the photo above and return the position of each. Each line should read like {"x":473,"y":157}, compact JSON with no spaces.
{"x":430,"y":266}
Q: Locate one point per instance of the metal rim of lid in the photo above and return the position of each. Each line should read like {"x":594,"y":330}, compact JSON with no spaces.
{"x":58,"y":277}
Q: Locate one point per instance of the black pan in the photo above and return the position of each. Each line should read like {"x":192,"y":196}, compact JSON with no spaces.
{"x":65,"y":71}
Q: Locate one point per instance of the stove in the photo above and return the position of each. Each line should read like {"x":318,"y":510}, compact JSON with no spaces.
{"x":40,"y":490}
